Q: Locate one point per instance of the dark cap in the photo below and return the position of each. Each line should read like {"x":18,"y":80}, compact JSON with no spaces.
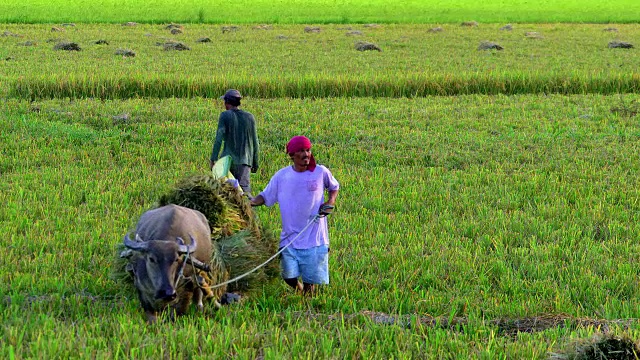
{"x":231,"y":94}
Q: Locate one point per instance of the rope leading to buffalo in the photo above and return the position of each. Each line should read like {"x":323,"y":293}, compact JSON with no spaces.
{"x":313,"y":220}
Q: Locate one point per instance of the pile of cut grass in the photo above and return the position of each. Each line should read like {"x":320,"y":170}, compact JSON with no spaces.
{"x":241,"y":241}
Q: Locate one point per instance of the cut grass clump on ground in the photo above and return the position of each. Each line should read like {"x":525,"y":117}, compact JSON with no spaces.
{"x":125,"y":52}
{"x":366,"y":46}
{"x":607,"y":346}
{"x":175,"y":45}
{"x":67,"y":46}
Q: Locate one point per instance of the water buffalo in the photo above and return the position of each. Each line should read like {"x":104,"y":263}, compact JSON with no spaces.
{"x":166,"y":238}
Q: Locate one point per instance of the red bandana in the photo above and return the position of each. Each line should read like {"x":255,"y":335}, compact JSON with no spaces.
{"x":298,"y":143}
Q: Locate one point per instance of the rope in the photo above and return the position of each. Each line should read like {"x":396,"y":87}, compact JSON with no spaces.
{"x":316,"y":217}
{"x":181,"y":272}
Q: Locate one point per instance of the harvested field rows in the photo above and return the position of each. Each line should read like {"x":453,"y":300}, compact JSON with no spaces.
{"x":117,"y":61}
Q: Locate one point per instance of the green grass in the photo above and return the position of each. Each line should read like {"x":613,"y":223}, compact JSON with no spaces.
{"x":569,"y":59}
{"x":475,"y":207}
{"x":321,"y":11}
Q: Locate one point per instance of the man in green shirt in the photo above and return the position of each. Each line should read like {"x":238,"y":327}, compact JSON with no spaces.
{"x":237,"y":129}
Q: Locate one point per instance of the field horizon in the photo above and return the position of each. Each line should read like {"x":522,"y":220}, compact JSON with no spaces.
{"x":321,"y":12}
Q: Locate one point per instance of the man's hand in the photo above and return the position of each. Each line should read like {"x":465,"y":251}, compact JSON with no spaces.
{"x":326,"y":209}
{"x":257,"y":201}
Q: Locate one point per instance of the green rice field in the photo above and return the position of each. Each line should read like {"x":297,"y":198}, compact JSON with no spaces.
{"x":489,"y":203}
{"x":320,"y":11}
{"x":479,"y":208}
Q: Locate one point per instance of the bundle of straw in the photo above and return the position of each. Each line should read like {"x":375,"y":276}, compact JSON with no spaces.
{"x":242,"y":242}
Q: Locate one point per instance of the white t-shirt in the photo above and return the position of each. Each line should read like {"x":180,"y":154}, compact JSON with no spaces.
{"x":300,"y":195}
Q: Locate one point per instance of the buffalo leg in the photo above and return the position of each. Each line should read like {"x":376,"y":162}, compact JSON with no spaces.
{"x":197,"y":298}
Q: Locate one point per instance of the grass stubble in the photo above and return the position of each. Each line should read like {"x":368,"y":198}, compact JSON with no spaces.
{"x":474,"y":211}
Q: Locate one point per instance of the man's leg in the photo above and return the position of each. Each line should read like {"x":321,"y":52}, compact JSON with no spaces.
{"x":294,"y":283}
{"x":290,"y":269}
{"x":314,"y":268}
{"x":242,"y":174}
{"x":308,"y":289}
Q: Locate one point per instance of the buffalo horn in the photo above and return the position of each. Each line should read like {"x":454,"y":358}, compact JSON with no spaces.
{"x":184,"y":249}
{"x":135,"y":245}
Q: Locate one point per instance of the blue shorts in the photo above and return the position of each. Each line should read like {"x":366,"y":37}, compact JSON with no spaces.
{"x":311,"y":264}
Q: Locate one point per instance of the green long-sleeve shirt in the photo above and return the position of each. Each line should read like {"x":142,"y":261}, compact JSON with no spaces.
{"x":237,"y":129}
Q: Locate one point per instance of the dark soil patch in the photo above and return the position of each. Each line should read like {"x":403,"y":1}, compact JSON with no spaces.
{"x":354,"y":33}
{"x":101,"y":42}
{"x":610,"y":29}
{"x":436,"y":29}
{"x":312,"y":29}
{"x":28,"y":43}
{"x":203,"y":40}
{"x":507,"y":27}
{"x":176,"y":31}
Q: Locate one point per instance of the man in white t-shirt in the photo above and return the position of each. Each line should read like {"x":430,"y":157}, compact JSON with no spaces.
{"x":300,"y":191}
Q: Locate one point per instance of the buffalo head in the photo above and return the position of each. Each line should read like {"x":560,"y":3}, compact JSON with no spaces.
{"x":156,"y":266}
